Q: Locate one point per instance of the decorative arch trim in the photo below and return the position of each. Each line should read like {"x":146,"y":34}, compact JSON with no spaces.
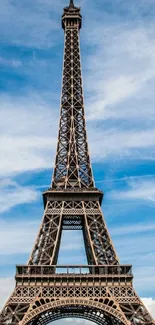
{"x":108,"y":305}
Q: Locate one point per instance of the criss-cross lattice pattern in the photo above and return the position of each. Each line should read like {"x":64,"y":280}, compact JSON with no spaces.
{"x":40,"y":305}
{"x":85,"y":215}
{"x":72,"y":165}
{"x":101,"y":291}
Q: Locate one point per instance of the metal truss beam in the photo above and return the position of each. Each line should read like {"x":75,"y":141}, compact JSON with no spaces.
{"x":102,"y":291}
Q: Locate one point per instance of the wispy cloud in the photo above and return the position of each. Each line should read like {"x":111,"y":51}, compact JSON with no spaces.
{"x":144,"y":279}
{"x":123,"y":89}
{"x":127,"y":144}
{"x":18,"y":20}
{"x":6,"y":287}
{"x":122,"y":71}
{"x":11,"y":194}
{"x":141,"y":190}
{"x":150,"y":305}
{"x":21,"y":236}
{"x":130,"y":229}
{"x":76,"y":321}
{"x":28,"y":136}
{"x":13,"y":63}
{"x":125,"y":178}
{"x":134,"y":244}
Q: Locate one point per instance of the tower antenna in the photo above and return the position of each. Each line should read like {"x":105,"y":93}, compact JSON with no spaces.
{"x":71,"y":5}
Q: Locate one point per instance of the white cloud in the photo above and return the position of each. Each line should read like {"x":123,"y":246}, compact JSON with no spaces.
{"x":6,"y":288}
{"x":134,"y":245}
{"x":74,"y":321}
{"x":125,"y":178}
{"x":25,"y":153}
{"x":21,"y":236}
{"x":123,"y":71}
{"x":122,"y":64}
{"x":121,"y":143}
{"x":133,"y":228}
{"x":137,"y":249}
{"x":150,"y":305}
{"x":32,"y":19}
{"x":28,"y":136}
{"x":122,"y":89}
{"x":144,"y":279}
{"x":12,"y":63}
{"x":11,"y":194}
{"x":141,"y":190}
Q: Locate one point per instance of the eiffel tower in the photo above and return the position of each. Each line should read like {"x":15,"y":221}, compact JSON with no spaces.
{"x":101,"y":291}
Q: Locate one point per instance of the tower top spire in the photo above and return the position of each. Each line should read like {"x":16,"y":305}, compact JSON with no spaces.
{"x":71,"y":4}
{"x":71,"y":16}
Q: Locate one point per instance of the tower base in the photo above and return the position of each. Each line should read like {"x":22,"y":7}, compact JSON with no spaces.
{"x":103,"y":294}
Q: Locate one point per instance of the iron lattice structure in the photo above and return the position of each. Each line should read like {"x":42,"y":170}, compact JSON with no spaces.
{"x":102,"y":291}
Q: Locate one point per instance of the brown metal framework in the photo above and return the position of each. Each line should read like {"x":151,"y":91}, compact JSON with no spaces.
{"x":102,"y":291}
{"x":72,"y":165}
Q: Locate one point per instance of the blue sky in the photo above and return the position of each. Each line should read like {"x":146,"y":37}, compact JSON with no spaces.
{"x":118,"y":61}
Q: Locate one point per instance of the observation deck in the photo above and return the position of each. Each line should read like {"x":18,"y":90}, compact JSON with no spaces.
{"x":74,"y":274}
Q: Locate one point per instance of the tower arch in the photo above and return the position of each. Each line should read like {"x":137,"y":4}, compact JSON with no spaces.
{"x":44,"y":311}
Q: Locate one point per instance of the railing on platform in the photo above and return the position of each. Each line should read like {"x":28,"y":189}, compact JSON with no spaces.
{"x":43,"y":270}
